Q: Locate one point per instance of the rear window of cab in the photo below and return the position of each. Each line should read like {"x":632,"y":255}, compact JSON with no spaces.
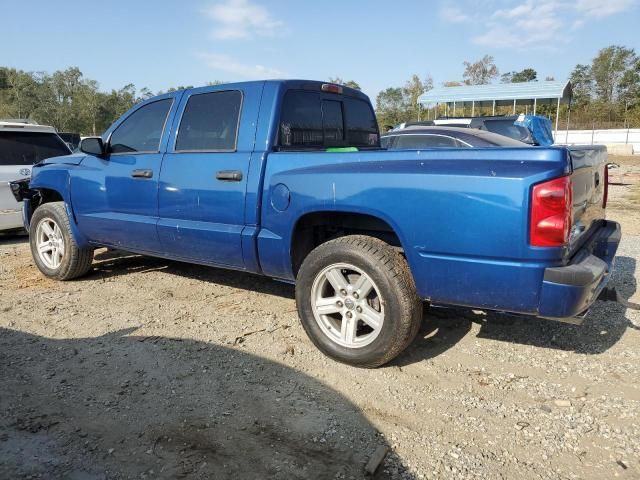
{"x":314,"y":120}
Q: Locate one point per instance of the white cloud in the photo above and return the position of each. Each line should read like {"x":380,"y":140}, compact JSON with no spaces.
{"x":599,"y":8}
{"x":241,"y":20}
{"x":454,"y":15}
{"x":227,"y":63}
{"x":529,"y":23}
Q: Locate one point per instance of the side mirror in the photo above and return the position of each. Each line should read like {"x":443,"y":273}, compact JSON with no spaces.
{"x":93,"y":146}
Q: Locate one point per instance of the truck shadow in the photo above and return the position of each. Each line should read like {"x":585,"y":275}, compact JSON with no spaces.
{"x":603,"y":327}
{"x":443,"y":328}
{"x":14,"y":238}
{"x":124,"y":406}
{"x":110,"y":263}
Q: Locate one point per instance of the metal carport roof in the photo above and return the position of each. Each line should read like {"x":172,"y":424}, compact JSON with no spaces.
{"x":501,"y":92}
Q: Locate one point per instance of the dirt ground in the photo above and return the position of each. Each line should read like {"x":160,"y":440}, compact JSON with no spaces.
{"x":151,"y":369}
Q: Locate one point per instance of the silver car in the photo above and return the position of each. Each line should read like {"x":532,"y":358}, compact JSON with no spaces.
{"x":22,"y":144}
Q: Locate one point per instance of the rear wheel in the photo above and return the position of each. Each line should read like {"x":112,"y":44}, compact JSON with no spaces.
{"x":53,"y":247}
{"x":357,"y":301}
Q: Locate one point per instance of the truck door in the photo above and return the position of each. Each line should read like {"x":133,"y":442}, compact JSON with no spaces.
{"x":204,"y":175}
{"x":115,"y":197}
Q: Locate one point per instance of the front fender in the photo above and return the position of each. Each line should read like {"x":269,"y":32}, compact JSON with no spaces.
{"x":55,"y":178}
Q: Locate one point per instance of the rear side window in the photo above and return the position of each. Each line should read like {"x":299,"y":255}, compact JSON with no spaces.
{"x":362,"y":128}
{"x":141,"y":131}
{"x":27,"y":148}
{"x":301,"y":120}
{"x":311,"y":120}
{"x":210,"y":122}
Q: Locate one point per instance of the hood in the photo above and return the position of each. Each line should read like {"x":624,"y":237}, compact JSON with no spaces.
{"x":73,"y":159}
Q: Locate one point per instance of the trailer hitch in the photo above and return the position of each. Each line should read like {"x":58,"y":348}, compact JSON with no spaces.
{"x":610,"y":294}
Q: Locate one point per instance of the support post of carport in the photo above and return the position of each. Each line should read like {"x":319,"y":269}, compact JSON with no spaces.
{"x":473,"y":108}
{"x":454,"y":109}
{"x":514,"y":106}
{"x":557,"y":115}
{"x":535,"y":104}
{"x":493,"y":112}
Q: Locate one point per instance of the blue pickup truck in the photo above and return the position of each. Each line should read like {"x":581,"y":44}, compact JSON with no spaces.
{"x":287,"y":179}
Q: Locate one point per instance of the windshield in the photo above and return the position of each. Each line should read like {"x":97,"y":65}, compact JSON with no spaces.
{"x":28,"y":148}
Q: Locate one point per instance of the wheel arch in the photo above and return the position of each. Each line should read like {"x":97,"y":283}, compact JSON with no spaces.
{"x":317,"y":227}
{"x":53,"y":185}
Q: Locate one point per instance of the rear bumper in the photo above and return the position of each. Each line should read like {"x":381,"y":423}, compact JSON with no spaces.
{"x":567,"y":292}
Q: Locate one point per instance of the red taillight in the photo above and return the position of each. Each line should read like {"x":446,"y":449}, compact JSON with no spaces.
{"x":331,"y":88}
{"x":605,"y":194}
{"x":551,"y":210}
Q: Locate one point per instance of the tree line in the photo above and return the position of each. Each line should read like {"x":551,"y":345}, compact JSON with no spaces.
{"x":606,"y":93}
{"x":67,"y":99}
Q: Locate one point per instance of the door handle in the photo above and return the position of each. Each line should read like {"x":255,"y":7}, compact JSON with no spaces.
{"x":229,"y":175}
{"x":141,"y":173}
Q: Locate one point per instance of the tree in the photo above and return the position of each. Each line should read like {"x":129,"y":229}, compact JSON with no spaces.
{"x":608,"y":69}
{"x":144,"y":94}
{"x":582,"y":84}
{"x":629,"y":87}
{"x":391,"y":106}
{"x":412,"y":90}
{"x":481,"y":72}
{"x":507,"y":77}
{"x":526,"y":75}
{"x":20,"y":92}
{"x":89,"y":98}
{"x":452,"y":83}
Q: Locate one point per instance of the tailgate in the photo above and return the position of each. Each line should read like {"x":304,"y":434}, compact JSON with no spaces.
{"x":588,"y":182}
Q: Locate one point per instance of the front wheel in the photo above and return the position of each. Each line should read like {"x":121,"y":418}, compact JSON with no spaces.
{"x":54,"y":250}
{"x":357,"y":300}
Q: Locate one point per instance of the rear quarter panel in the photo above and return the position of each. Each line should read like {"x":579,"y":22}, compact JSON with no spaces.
{"x":461,"y":215}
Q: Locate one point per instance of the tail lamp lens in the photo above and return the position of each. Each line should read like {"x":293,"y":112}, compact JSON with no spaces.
{"x":551,"y":213}
{"x":605,"y":194}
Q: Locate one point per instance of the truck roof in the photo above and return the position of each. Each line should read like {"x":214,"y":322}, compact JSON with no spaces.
{"x":297,"y":84}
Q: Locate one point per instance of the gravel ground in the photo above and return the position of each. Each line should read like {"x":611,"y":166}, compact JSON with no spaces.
{"x":154,"y":369}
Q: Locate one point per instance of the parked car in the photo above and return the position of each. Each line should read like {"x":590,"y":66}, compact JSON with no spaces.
{"x":238,"y":176}
{"x":418,"y":137}
{"x":71,"y":139}
{"x":502,"y":125}
{"x":22,"y":143}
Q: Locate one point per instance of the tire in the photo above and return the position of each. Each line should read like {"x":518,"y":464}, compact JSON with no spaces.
{"x":60,"y":258}
{"x":381,"y":325}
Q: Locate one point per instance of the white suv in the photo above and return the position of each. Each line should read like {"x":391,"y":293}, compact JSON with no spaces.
{"x":22,"y":144}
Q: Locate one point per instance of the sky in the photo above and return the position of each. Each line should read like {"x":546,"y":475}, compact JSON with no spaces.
{"x":163,"y":43}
